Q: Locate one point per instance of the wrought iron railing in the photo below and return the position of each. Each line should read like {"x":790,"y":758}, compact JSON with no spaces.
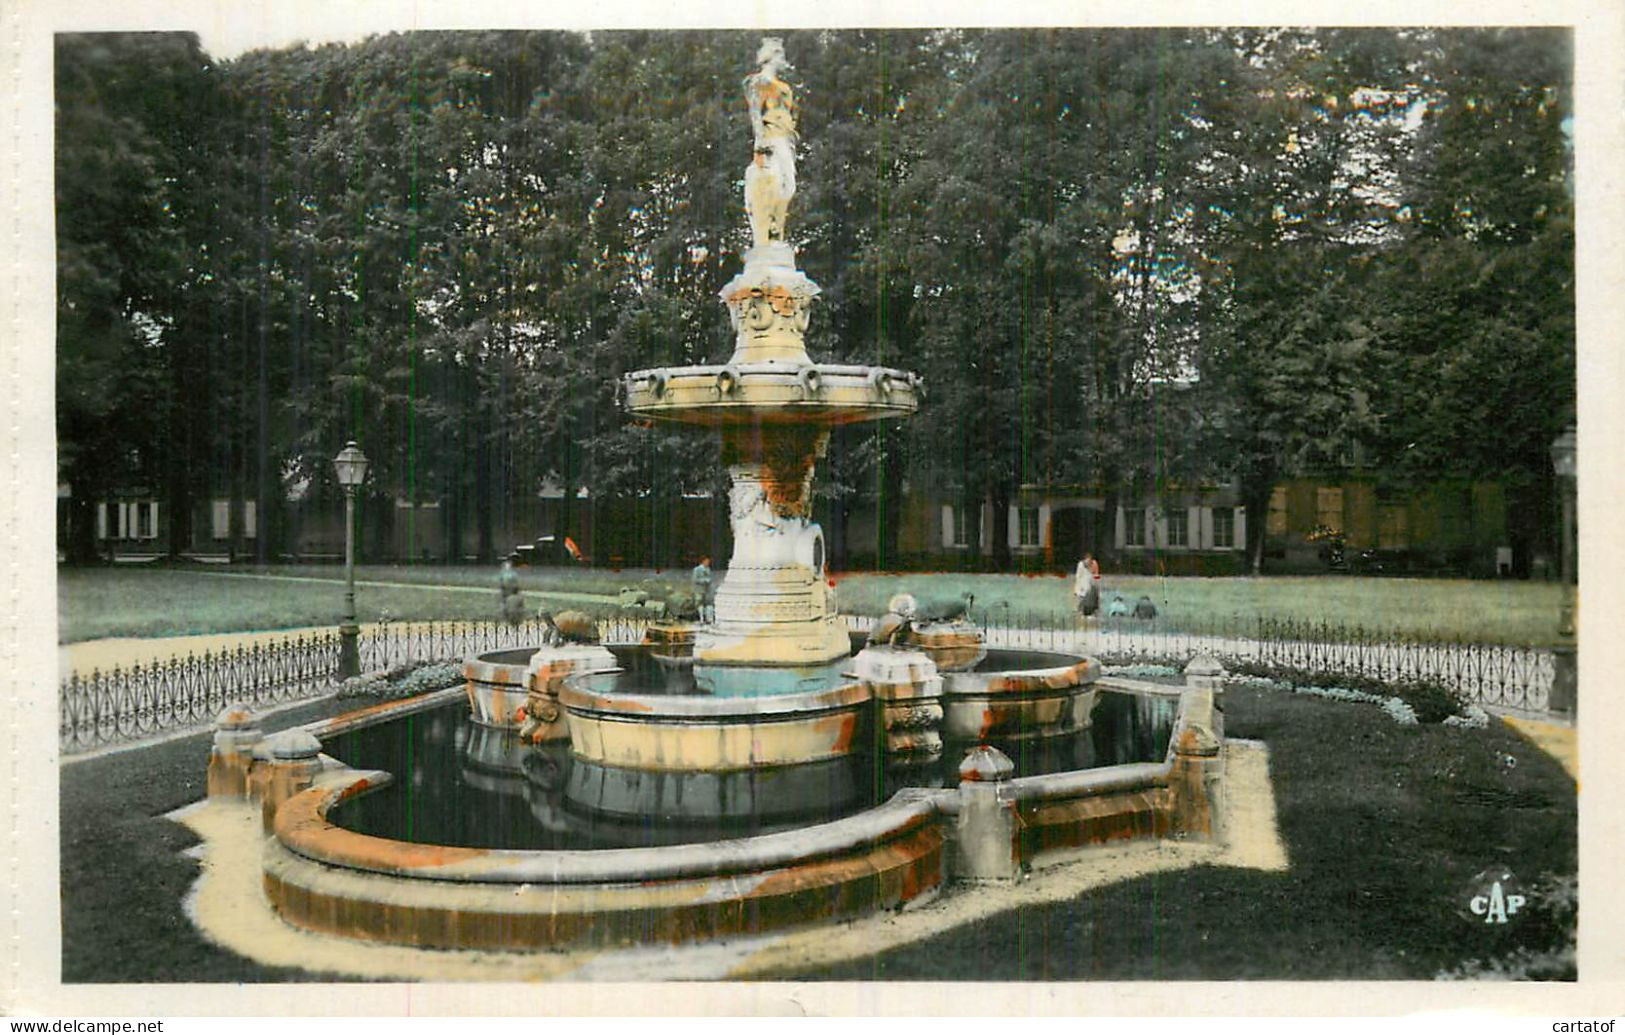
{"x":144,"y":699}
{"x":129,"y":703}
{"x":393,"y":644}
{"x":1497,"y":675}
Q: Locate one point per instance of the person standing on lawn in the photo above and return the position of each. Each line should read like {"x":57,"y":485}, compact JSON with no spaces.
{"x":701,"y":578}
{"x":1086,"y":585}
{"x":513,"y":603}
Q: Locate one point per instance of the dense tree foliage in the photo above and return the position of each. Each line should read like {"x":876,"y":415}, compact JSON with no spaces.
{"x":1123,"y":259}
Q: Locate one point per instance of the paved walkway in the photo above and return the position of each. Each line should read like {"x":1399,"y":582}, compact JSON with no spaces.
{"x":124,"y":651}
{"x":1560,"y":740}
{"x":556,"y":594}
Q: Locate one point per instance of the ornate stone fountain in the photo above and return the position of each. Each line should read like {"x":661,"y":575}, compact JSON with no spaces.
{"x":775,"y":407}
{"x":735,"y":776}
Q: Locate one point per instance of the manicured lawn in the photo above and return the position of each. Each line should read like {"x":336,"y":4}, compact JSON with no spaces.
{"x":155,"y":601}
{"x":141,"y":601}
{"x":1482,"y":611}
{"x":1385,"y":827}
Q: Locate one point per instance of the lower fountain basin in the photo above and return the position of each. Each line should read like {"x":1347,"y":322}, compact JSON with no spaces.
{"x":1018,"y":695}
{"x":695,"y":733}
{"x":463,"y":783}
{"x":510,"y":861}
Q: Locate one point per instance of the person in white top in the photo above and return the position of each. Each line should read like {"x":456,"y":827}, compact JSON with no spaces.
{"x":1086,"y":585}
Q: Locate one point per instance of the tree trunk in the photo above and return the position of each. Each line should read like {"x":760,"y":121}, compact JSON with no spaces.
{"x":1001,"y":527}
{"x":81,"y":545}
{"x":1256,"y":498}
{"x":482,"y":499}
{"x":1104,"y":545}
{"x":891,"y":498}
{"x":178,"y":501}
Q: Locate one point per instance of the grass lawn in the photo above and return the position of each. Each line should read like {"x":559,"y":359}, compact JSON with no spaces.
{"x":1385,"y":827}
{"x":1523,"y":613}
{"x":159,"y":601}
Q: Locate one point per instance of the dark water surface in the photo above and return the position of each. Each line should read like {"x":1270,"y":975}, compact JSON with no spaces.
{"x":459,"y":783}
{"x":644,"y":674}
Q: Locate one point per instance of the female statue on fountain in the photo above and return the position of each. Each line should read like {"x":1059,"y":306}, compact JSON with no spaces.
{"x":770,"y":181}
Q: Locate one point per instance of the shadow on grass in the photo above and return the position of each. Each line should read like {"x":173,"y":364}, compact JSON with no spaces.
{"x":1385,"y":826}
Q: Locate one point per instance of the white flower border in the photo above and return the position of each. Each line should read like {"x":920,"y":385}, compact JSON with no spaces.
{"x":1472,"y":717}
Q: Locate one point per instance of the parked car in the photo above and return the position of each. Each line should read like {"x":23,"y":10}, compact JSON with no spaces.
{"x":548,"y":551}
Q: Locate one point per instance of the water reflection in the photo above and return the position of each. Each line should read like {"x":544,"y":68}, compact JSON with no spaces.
{"x":458,"y":782}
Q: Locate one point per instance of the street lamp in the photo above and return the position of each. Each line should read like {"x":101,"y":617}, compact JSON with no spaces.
{"x":351,"y":467}
{"x":1565,"y":677}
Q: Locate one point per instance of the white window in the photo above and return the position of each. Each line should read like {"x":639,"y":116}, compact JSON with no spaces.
{"x":1029,"y":526}
{"x":250,"y":519}
{"x":1224,"y":528}
{"x":146,"y":520}
{"x":961,"y":525}
{"x":1179,"y":527}
{"x":1134,"y":527}
{"x":101,"y":521}
{"x":221,"y":514}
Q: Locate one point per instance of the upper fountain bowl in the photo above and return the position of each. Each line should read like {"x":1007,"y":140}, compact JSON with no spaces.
{"x":772,"y":392}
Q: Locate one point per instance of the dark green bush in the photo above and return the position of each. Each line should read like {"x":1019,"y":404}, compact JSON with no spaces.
{"x":1431,"y":702}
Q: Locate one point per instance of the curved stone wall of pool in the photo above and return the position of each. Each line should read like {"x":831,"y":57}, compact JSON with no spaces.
{"x":519,"y":688}
{"x":1016,"y":704}
{"x":324,"y":878}
{"x":321,"y":877}
{"x":712,"y":734}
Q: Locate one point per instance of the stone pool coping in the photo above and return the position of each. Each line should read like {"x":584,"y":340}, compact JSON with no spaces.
{"x":324,"y":878}
{"x":227,"y":902}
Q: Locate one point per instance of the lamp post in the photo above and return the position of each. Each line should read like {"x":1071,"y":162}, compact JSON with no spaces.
{"x":351,"y":467}
{"x":1565,"y":676}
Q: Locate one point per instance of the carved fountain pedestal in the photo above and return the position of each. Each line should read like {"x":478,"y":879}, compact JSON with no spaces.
{"x":774,"y":407}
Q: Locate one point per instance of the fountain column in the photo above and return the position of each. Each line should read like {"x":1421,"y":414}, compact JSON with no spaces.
{"x":774,"y":407}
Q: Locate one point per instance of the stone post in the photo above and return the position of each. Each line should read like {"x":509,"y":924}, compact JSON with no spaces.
{"x":235,"y":735}
{"x":985,"y":845}
{"x":292,"y":768}
{"x":1206,"y":672}
{"x":1196,"y":785}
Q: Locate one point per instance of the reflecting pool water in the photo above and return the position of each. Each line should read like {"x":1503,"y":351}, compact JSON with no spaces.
{"x":457,"y":782}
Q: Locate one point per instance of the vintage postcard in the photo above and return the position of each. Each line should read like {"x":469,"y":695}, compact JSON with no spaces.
{"x":933,"y":509}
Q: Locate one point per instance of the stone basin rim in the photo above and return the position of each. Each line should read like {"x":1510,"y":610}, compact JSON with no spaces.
{"x":696,"y":707}
{"x":302,"y":827}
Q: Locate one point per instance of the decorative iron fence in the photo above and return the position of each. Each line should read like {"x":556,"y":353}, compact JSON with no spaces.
{"x":145,"y":699}
{"x":1489,"y":674}
{"x":393,"y":644}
